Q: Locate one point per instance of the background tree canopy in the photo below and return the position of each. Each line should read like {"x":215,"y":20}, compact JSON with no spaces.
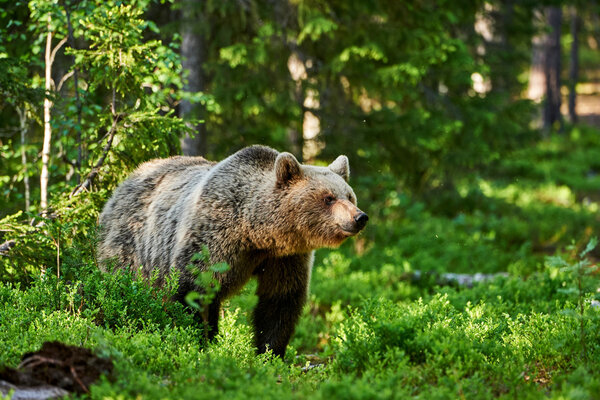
{"x":472,"y":133}
{"x":422,"y":90}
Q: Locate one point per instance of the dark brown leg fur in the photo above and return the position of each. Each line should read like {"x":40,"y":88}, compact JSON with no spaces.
{"x":282,"y":289}
{"x":212,"y":319}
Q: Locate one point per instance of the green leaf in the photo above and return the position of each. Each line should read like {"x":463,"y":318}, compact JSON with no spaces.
{"x":590,"y":246}
{"x":557,"y":261}
{"x":317,"y":27}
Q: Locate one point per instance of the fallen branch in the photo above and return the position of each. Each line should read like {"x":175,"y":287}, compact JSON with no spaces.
{"x":452,"y":279}
{"x":6,"y":246}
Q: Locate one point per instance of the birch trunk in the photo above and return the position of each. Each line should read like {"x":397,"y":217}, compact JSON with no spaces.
{"x":47,"y":127}
{"x":537,"y":80}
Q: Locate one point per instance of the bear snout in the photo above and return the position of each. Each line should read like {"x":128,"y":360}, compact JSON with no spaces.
{"x":350,"y":218}
{"x":361,"y":220}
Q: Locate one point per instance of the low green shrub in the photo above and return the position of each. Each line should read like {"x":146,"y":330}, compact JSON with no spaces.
{"x":436,"y":344}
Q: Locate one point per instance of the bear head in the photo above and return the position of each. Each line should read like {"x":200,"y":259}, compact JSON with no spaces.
{"x":318,"y":204}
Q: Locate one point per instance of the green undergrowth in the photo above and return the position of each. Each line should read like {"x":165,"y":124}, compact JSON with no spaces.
{"x":377,"y":324}
{"x":510,"y":338}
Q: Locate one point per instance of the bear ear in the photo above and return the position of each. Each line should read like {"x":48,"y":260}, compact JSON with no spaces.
{"x":287,"y":168}
{"x":341,"y":166}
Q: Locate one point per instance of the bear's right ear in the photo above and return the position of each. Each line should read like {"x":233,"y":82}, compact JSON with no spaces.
{"x":287,"y":168}
{"x":341,"y":166}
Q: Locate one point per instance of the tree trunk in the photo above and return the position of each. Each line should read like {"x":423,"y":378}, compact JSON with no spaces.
{"x":537,"y":80}
{"x":47,"y":127}
{"x":494,"y":23}
{"x":573,"y":65}
{"x":192,"y":57}
{"x":552,"y":70}
{"x":595,"y":29}
{"x":23,"y":128}
{"x":295,"y":131}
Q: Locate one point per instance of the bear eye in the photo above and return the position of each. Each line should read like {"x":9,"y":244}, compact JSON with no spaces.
{"x":329,"y":200}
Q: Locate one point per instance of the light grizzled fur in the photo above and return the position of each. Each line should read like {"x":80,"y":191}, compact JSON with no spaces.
{"x":258,"y":210}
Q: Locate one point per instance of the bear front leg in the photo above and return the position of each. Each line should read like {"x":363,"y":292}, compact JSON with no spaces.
{"x":282,"y":291}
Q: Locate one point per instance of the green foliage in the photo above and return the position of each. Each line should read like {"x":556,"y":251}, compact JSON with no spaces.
{"x":124,"y":299}
{"x":400,"y":97}
{"x":373,"y":328}
{"x":477,"y":348}
{"x":13,"y":86}
{"x":571,"y":161}
{"x":394,"y":94}
{"x":124,"y":79}
{"x":141,"y":77}
{"x":205,"y":279}
{"x":65,"y":236}
{"x":440,"y":345}
{"x":583,"y":286}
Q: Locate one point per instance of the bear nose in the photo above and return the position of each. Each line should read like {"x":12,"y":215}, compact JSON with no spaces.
{"x":361,"y":220}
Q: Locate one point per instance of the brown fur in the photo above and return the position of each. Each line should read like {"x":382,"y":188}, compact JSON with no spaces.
{"x":258,"y":210}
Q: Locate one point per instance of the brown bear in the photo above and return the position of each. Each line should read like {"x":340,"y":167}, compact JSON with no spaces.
{"x":259,"y":210}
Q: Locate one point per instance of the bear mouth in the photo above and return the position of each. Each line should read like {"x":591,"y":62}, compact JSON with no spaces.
{"x":348,"y":233}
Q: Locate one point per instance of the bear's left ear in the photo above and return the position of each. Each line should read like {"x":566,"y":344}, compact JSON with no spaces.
{"x":287,"y":168}
{"x":341,"y":166}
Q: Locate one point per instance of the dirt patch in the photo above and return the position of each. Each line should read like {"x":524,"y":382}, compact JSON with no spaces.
{"x":53,"y":371}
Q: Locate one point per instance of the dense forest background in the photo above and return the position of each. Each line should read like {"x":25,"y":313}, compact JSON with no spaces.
{"x":421,"y":91}
{"x":473,"y":133}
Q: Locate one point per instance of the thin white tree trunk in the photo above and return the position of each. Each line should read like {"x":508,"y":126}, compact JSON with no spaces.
{"x":47,"y":127}
{"x":298,"y":74}
{"x":537,"y":80}
{"x":23,"y":128}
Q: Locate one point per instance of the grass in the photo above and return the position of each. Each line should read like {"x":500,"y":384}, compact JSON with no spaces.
{"x":370,"y":329}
